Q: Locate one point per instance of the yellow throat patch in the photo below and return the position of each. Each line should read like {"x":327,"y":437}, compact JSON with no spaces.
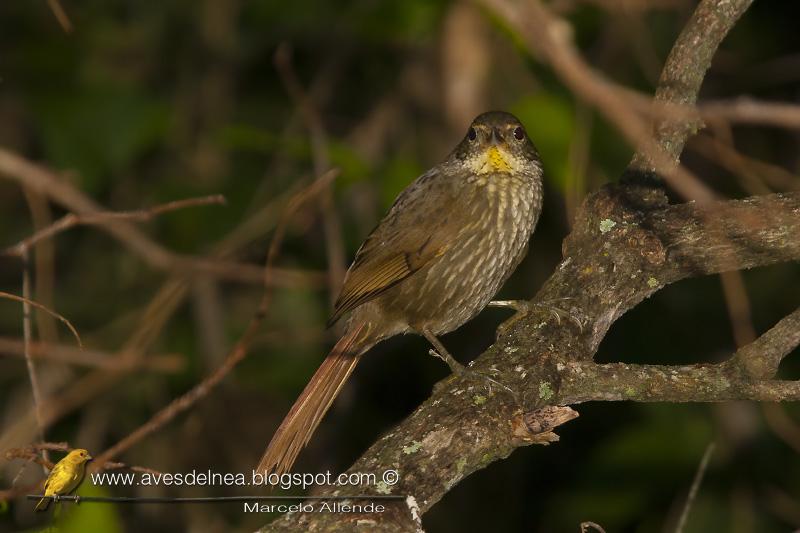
{"x":496,"y":160}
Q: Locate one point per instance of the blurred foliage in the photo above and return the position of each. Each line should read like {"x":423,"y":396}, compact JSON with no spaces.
{"x":91,"y":517}
{"x":147,"y":102}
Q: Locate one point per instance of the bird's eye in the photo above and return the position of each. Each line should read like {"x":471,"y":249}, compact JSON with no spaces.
{"x":519,"y":133}
{"x":472,"y":134}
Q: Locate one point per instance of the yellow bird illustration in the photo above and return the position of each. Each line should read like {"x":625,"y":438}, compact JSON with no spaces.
{"x":65,"y":477}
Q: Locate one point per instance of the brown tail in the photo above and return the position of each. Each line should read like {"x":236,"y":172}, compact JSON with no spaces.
{"x":308,"y":410}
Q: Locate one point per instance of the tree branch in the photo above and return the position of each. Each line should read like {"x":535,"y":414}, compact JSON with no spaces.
{"x":685,"y":69}
{"x":626,"y":244}
{"x":49,"y":184}
{"x":459,"y":430}
{"x":760,"y":359}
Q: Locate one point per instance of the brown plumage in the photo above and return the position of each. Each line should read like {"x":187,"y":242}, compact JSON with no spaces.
{"x":448,"y":243}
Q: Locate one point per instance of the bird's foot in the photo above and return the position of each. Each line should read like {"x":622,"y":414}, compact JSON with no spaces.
{"x":77,"y":499}
{"x":523,"y":308}
{"x":462,"y":372}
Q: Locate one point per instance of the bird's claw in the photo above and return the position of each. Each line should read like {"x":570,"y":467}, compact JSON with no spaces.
{"x":460,"y":371}
{"x":524,"y":307}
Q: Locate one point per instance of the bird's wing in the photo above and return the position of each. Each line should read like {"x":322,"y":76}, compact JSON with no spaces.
{"x":57,"y":479}
{"x":48,"y":485}
{"x":418,"y":228}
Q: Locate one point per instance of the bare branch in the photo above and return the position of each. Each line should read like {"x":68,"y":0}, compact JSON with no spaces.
{"x":36,"y":391}
{"x":748,"y":110}
{"x":760,"y":359}
{"x":586,"y":526}
{"x":51,"y":185}
{"x":60,"y":15}
{"x":168,"y":363}
{"x":94,"y":219}
{"x":30,"y":453}
{"x":459,"y":430}
{"x":732,"y":235}
{"x":693,"y":490}
{"x":614,"y":382}
{"x":334,"y":245}
{"x":239,"y":351}
{"x":37,"y":305}
{"x":685,"y":70}
{"x":160,"y":309}
{"x":548,"y":35}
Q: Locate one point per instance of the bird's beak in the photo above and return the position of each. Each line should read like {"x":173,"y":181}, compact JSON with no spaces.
{"x":89,"y":457}
{"x":496,"y":138}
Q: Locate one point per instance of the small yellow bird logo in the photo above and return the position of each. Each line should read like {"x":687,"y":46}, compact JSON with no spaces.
{"x":65,"y":477}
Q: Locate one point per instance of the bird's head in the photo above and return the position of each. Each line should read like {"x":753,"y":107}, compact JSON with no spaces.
{"x":496,"y":143}
{"x":78,"y":456}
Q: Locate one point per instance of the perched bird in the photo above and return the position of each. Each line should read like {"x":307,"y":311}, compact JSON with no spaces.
{"x":437,"y":258}
{"x":65,"y":477}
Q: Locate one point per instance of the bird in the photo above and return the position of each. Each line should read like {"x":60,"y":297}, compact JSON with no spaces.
{"x":436,"y":259}
{"x":65,"y":477}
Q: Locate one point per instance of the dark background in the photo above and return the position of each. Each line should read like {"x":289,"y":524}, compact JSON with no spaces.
{"x":148,"y":102}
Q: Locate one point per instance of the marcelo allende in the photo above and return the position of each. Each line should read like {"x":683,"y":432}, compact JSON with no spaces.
{"x":317,"y":507}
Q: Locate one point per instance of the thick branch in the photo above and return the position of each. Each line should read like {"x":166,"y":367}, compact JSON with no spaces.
{"x":760,"y":359}
{"x":460,"y":429}
{"x":583,"y":382}
{"x":732,"y":235}
{"x":643,"y":252}
{"x":685,"y":69}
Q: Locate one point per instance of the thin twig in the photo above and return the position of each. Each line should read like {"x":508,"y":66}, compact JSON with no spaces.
{"x":93,"y":219}
{"x":334,"y":244}
{"x":586,"y":526}
{"x":30,"y":454}
{"x":60,"y":15}
{"x":728,"y":158}
{"x":747,"y":110}
{"x":43,"y":265}
{"x":36,"y":391}
{"x":738,"y":304}
{"x":698,"y":480}
{"x":174,"y":290}
{"x":45,"y":181}
{"x":240,"y":350}
{"x":166,"y":300}
{"x":123,"y":466}
{"x":777,"y":177}
{"x":168,"y":363}
{"x":28,"y":302}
